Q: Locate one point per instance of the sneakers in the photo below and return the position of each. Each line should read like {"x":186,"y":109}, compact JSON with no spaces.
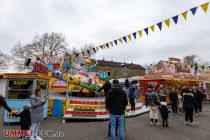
{"x":151,"y":123}
{"x":157,"y":123}
{"x":191,"y":124}
{"x":186,"y":123}
{"x":196,"y":114}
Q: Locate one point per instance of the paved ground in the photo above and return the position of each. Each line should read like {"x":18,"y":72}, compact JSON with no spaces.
{"x":137,"y":128}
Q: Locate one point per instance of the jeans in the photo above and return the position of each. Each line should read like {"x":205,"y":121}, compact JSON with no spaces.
{"x":109,"y":133}
{"x":34,"y":128}
{"x":120,"y":119}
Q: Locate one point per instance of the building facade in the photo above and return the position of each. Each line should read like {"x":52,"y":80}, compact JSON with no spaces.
{"x":118,"y":70}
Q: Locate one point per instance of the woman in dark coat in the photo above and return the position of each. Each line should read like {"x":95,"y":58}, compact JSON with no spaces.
{"x":188,"y":105}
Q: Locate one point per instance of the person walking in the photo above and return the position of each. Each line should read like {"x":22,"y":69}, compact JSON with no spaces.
{"x":152,"y":100}
{"x":37,"y":104}
{"x":131,"y":96}
{"x":106,"y":87}
{"x":116,"y":102}
{"x":188,"y":105}
{"x":162,"y":93}
{"x":174,"y":100}
{"x":198,"y":100}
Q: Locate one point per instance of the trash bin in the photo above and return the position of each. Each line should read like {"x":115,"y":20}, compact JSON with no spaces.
{"x":57,"y":108}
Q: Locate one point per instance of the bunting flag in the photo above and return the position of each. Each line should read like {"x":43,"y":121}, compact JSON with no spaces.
{"x":146,"y":31}
{"x":115,"y":42}
{"x":184,"y":14}
{"x":94,"y":50}
{"x":125,"y":39}
{"x":120,"y":39}
{"x":205,"y":6}
{"x":175,"y":19}
{"x":104,"y":46}
{"x":134,"y":35}
{"x":129,"y":37}
{"x":140,"y":33}
{"x":101,"y":47}
{"x":160,"y":25}
{"x":152,"y":28}
{"x":111,"y":43}
{"x":97,"y":49}
{"x":167,"y":22}
{"x":193,"y":10}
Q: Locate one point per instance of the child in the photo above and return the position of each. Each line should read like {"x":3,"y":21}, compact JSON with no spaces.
{"x":25,"y":118}
{"x":164,"y":113}
{"x":180,"y":103}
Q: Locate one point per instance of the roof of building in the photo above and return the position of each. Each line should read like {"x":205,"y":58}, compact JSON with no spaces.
{"x":118,"y":64}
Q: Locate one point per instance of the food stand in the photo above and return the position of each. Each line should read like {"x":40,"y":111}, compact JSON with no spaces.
{"x":19,"y":88}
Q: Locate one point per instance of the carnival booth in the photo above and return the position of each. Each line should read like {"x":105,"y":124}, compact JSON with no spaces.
{"x":19,"y":88}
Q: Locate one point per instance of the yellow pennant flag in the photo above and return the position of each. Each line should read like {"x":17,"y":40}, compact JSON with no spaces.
{"x":120,"y":39}
{"x":129,"y":37}
{"x":167,"y":22}
{"x":91,"y":52}
{"x":97,"y":49}
{"x":152,"y":28}
{"x":111,"y":43}
{"x":104,"y":46}
{"x":184,"y":14}
{"x":205,"y":6}
{"x":80,"y":54}
{"x":140,"y":33}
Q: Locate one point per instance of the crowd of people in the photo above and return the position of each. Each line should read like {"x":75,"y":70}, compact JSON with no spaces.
{"x":184,"y":100}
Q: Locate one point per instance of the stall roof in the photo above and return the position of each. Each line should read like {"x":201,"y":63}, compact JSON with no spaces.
{"x":26,"y":75}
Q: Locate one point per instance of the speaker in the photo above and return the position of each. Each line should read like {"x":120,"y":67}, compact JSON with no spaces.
{"x":27,"y":62}
{"x":109,"y":73}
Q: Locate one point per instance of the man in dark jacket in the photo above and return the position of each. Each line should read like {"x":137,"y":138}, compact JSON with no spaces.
{"x":188,"y":105}
{"x":116,"y":102}
{"x":4,"y":104}
{"x":198,"y":100}
{"x":106,"y":87}
{"x":174,"y":100}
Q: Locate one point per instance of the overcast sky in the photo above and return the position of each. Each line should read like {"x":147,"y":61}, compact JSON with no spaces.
{"x":100,"y":21}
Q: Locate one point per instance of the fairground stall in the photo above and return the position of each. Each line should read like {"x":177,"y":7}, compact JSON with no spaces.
{"x":19,"y":87}
{"x":171,"y":73}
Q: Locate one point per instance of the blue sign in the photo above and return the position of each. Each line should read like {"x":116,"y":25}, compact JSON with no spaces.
{"x":17,"y":106}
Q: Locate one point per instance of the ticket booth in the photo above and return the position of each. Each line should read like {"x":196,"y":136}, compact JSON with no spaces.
{"x":19,"y":88}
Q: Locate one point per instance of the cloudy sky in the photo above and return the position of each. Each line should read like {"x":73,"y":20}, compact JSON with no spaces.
{"x":100,"y":21}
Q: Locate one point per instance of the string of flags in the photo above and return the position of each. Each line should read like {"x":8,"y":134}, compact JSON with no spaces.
{"x":133,"y":36}
{"x":201,"y":67}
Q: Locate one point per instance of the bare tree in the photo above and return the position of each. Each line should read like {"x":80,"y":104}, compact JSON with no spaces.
{"x":48,"y":44}
{"x":190,"y":59}
{"x":4,"y":60}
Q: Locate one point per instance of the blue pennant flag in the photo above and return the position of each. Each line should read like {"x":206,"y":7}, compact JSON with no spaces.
{"x":134,"y":35}
{"x":160,"y":25}
{"x":107,"y":44}
{"x":175,"y":18}
{"x":115,"y":42}
{"x":88,"y":51}
{"x":94,"y":50}
{"x":193,"y":10}
{"x":125,"y":39}
{"x":146,"y":31}
{"x":101,"y":47}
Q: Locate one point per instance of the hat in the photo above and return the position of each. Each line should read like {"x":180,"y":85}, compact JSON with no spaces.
{"x":115,"y":81}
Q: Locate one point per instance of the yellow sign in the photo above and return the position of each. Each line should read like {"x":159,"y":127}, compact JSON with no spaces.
{"x":20,"y":82}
